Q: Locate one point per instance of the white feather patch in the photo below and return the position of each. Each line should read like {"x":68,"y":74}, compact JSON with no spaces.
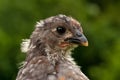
{"x":40,"y":24}
{"x":25,"y":45}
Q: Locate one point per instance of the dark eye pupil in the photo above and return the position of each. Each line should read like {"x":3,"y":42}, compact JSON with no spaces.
{"x":61,"y":30}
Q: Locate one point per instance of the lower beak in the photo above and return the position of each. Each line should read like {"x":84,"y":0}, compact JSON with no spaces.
{"x":82,"y":40}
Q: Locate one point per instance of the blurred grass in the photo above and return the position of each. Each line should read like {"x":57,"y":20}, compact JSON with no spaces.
{"x":100,"y":20}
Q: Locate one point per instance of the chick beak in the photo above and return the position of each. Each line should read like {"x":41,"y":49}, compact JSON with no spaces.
{"x":79,"y":39}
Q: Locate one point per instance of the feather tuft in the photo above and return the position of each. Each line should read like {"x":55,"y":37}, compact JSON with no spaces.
{"x":25,"y":45}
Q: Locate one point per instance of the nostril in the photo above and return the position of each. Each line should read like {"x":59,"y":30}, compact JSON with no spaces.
{"x":79,"y":35}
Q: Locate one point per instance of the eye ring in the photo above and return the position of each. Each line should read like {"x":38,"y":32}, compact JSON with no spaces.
{"x":61,"y":30}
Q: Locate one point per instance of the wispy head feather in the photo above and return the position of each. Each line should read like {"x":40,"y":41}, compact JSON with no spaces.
{"x":25,"y":45}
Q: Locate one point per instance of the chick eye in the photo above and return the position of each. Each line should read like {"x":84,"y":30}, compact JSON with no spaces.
{"x":61,"y":29}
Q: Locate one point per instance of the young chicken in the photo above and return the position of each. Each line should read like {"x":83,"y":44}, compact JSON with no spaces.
{"x":49,"y":50}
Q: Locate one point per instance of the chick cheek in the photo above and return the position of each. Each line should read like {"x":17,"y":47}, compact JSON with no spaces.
{"x":64,"y":44}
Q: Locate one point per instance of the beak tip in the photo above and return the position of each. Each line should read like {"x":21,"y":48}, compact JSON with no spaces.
{"x":85,"y":44}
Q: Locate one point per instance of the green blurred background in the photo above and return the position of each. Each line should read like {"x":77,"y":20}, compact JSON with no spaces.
{"x":101,"y":24}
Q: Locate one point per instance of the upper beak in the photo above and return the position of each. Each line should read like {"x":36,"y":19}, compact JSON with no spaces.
{"x":79,"y":38}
